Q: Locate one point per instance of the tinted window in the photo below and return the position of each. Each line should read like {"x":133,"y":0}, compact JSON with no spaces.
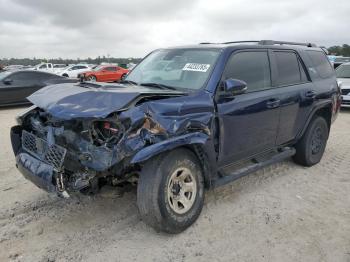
{"x":321,"y":64}
{"x":45,"y":76}
{"x":111,"y":68}
{"x":20,"y":76}
{"x":78,"y":67}
{"x":251,"y":67}
{"x":289,"y":69}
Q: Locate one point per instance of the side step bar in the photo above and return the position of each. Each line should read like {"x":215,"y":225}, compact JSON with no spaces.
{"x":227,"y":178}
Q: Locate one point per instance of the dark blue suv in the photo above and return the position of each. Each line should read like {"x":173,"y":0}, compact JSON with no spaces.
{"x":184,"y":119}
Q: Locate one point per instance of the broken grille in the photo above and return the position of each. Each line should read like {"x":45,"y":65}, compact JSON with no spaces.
{"x":51,"y":154}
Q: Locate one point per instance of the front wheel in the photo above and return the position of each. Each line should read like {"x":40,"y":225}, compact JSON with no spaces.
{"x":310,"y":148}
{"x":92,"y":78}
{"x":170,"y":191}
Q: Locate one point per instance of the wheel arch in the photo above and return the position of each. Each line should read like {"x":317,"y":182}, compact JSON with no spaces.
{"x":194,"y":142}
{"x":324,"y":110}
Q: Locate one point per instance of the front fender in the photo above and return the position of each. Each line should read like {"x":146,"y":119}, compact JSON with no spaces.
{"x":155,"y":149}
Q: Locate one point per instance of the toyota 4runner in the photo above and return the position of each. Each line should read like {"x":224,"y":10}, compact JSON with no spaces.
{"x":184,"y":119}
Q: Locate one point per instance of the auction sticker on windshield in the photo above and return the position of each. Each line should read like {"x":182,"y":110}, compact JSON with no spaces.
{"x":196,"y":67}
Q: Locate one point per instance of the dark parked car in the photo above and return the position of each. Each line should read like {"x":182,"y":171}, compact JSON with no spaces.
{"x":184,"y":119}
{"x":16,"y":86}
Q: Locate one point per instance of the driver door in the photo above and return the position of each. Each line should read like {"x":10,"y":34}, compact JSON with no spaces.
{"x":249,"y":121}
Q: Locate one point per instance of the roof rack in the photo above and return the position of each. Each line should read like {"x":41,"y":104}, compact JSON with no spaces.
{"x":237,"y":42}
{"x":264,"y":42}
{"x":231,"y":42}
{"x":273,"y":42}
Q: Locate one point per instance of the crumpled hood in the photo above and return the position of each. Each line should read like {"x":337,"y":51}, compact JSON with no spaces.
{"x":68,"y":101}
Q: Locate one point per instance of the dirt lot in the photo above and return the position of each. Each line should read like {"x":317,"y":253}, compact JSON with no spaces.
{"x":282,"y":213}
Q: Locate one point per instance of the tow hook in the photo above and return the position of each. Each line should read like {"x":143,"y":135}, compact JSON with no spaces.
{"x":61,"y":191}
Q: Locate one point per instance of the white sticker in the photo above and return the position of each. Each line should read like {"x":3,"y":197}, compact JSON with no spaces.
{"x":196,"y":67}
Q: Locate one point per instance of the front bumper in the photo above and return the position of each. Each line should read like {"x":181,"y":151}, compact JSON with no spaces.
{"x":36,"y":171}
{"x":32,"y":167}
{"x":345,"y":101}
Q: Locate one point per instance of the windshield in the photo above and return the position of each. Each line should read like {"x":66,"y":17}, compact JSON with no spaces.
{"x":98,"y":68}
{"x":343,"y":71}
{"x":3,"y":75}
{"x":178,"y":68}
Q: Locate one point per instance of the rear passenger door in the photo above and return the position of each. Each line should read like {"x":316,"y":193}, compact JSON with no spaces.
{"x":295,"y":92}
{"x":248,"y":122}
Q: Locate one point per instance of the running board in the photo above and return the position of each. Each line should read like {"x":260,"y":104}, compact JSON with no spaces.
{"x":229,"y":177}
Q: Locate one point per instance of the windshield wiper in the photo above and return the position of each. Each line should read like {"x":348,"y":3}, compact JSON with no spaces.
{"x":157,"y":85}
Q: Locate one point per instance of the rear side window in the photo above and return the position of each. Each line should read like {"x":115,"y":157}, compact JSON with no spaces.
{"x":289,"y":69}
{"x":251,"y":67}
{"x":321,"y":64}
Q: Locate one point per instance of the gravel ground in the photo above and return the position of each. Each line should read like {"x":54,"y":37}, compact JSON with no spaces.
{"x":282,"y":213}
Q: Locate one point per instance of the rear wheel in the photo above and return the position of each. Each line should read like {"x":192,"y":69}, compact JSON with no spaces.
{"x":170,"y":191}
{"x":310,"y":148}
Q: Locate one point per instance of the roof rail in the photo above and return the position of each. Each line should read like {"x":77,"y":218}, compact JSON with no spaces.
{"x":237,"y":42}
{"x":273,"y":42}
{"x":263,"y":42}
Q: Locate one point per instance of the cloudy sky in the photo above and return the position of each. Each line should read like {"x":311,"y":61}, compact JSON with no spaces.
{"x":132,"y":28}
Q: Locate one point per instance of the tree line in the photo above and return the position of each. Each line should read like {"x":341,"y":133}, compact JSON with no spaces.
{"x":98,"y":60}
{"x":343,"y":50}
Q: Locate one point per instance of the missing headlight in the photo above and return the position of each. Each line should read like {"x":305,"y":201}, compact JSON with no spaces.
{"x":105,"y":132}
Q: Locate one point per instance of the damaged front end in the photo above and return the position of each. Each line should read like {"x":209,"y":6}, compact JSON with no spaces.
{"x":82,"y":154}
{"x":75,"y":155}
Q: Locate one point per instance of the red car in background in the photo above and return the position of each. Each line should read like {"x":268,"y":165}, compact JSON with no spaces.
{"x":107,"y":73}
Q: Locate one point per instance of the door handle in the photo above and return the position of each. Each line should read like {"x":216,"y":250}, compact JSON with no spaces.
{"x":310,"y":94}
{"x":273,"y":103}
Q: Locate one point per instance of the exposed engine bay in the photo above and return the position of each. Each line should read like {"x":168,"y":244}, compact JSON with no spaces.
{"x":95,"y":148}
{"x":75,"y":140}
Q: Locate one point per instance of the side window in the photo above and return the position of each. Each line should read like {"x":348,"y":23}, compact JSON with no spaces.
{"x":289,"y":69}
{"x":19,"y":76}
{"x":321,"y":64}
{"x":43,"y":67}
{"x":111,"y":68}
{"x":253,"y":67}
{"x":44,"y":76}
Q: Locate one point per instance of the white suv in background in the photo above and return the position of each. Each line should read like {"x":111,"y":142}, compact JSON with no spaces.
{"x":73,"y":70}
{"x":343,"y":77}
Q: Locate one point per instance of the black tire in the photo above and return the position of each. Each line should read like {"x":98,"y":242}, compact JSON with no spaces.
{"x":65,"y":75}
{"x":310,"y":148}
{"x":153,"y":189}
{"x":122,"y":77}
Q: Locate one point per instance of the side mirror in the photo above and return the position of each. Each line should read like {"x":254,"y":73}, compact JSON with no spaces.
{"x":234,"y":86}
{"x":7,"y":81}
